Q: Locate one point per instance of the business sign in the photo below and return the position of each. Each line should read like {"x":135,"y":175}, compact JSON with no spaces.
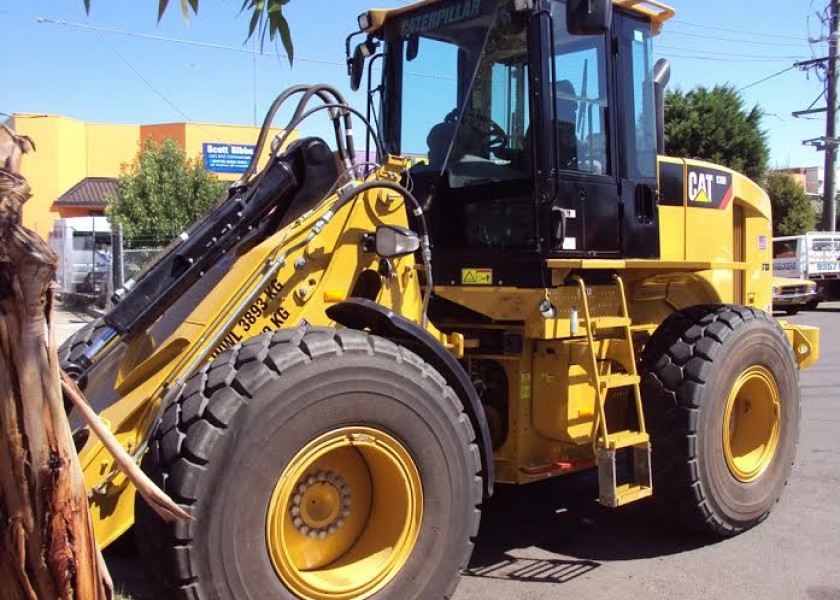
{"x":227,"y":158}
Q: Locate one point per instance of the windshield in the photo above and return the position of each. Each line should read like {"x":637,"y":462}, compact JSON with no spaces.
{"x":459,"y":70}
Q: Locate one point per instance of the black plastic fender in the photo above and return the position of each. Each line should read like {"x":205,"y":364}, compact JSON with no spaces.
{"x":361,"y":313}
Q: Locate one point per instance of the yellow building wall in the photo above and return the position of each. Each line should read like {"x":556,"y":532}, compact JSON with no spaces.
{"x":109,"y":147}
{"x":58,"y":163}
{"x":69,"y":150}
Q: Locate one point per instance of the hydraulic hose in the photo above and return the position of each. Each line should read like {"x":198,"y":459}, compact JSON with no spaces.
{"x":425,"y":246}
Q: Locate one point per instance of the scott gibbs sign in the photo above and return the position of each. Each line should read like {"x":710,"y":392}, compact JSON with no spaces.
{"x":227,"y":158}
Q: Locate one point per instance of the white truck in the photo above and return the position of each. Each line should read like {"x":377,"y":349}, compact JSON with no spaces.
{"x":814,"y":256}
{"x":83,"y":246}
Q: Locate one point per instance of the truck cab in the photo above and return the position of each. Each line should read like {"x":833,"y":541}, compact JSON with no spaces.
{"x":814,"y":256}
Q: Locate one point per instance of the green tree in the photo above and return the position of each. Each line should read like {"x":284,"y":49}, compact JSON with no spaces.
{"x":161,"y":193}
{"x":792,"y":210}
{"x":714,"y":125}
{"x":266,"y":18}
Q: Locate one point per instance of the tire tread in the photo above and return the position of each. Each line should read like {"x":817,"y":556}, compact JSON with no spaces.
{"x":672,"y":392}
{"x":180,"y":447}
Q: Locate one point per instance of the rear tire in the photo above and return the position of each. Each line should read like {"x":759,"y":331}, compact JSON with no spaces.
{"x":249,"y":421}
{"x":790,"y":311}
{"x":721,"y":399}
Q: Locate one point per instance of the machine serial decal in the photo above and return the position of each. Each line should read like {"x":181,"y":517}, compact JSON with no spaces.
{"x":476,"y":276}
{"x":709,"y":188}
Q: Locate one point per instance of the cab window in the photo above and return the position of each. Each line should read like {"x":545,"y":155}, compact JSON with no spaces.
{"x":581,"y":106}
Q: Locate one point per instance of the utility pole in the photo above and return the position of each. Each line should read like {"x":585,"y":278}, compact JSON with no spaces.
{"x":829,"y":142}
{"x":829,"y":201}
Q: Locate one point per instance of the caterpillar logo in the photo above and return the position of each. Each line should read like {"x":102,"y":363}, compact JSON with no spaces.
{"x":699,"y":186}
{"x":448,"y":15}
{"x":709,"y":188}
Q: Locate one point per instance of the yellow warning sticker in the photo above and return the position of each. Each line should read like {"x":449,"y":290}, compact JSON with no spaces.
{"x":476,"y":276}
{"x":524,"y":386}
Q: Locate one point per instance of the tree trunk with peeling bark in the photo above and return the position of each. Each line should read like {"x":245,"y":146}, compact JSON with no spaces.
{"x":47,"y":545}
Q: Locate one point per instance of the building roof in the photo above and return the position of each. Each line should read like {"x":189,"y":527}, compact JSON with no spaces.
{"x":90,"y":192}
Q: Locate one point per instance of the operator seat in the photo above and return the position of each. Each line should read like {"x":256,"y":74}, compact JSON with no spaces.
{"x":466,"y":140}
{"x":565,"y":123}
{"x":565,"y":112}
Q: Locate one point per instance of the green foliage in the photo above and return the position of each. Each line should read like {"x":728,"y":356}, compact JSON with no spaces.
{"x":713,"y":124}
{"x":161,"y":193}
{"x":266,"y":19}
{"x":792,"y":210}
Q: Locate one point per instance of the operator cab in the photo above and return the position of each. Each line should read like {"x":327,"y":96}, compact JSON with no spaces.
{"x":528,"y":141}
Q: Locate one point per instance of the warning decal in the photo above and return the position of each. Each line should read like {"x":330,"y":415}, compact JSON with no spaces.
{"x":709,"y":188}
{"x":476,"y":276}
{"x":525,"y":386}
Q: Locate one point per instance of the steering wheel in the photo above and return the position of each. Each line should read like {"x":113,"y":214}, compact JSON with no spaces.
{"x":491,"y":134}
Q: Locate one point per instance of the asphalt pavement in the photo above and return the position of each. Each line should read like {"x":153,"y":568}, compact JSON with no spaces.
{"x":552,"y":540}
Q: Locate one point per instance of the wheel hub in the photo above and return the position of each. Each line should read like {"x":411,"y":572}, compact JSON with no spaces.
{"x":321,"y":505}
{"x":344,"y":515}
{"x":752,"y":423}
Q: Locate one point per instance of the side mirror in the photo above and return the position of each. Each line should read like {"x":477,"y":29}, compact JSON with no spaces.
{"x":392,"y":241}
{"x":588,"y":17}
{"x":357,"y":63}
{"x":357,"y":67}
{"x":412,"y":47}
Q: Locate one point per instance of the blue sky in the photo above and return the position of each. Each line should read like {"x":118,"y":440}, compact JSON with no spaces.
{"x":105,"y":77}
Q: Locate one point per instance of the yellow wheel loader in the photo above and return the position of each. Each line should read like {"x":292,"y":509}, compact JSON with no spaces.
{"x":333,"y":368}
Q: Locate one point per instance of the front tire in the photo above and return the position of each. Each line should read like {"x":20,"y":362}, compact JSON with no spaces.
{"x":721,"y":398}
{"x":326,"y":464}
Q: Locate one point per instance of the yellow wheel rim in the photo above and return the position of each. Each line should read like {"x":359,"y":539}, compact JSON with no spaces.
{"x":345,"y":515}
{"x":751,"y":424}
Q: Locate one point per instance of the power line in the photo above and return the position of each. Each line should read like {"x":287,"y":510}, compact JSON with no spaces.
{"x":721,"y":59}
{"x":705,"y":27}
{"x":729,"y":54}
{"x":157,"y":91}
{"x":803,"y":43}
{"x":174,"y":40}
{"x":242,"y":50}
{"x":746,"y":87}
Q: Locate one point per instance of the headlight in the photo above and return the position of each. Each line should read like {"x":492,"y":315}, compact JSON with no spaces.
{"x":812,"y":287}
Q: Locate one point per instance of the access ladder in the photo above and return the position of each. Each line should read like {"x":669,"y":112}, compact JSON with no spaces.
{"x":602,"y":378}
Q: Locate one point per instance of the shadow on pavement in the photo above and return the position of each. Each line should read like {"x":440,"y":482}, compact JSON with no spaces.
{"x":131,"y":579}
{"x":561,"y":517}
{"x":533,"y":569}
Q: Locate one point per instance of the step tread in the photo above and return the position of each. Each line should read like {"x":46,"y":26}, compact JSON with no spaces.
{"x":618,"y":380}
{"x":610,"y":322}
{"x":626,"y":438}
{"x":630,"y":492}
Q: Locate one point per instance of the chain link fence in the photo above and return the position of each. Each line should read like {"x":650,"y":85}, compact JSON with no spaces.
{"x":93,"y":260}
{"x":135,"y":260}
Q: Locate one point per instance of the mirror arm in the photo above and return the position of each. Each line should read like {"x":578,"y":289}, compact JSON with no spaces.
{"x":347,"y":50}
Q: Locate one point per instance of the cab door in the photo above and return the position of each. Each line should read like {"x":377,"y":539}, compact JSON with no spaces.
{"x":578,"y":128}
